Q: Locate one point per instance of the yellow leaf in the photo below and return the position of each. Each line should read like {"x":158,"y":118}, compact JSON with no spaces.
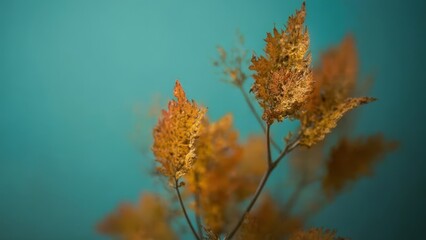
{"x":283,"y":77}
{"x":316,"y":126}
{"x":175,"y":135}
{"x":330,"y":99}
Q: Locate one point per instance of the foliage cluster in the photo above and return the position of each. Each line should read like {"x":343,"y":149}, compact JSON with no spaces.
{"x":222,"y":178}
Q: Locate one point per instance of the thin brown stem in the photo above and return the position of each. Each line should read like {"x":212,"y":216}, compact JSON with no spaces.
{"x":184,"y":210}
{"x":287,"y":149}
{"x":262,"y":183}
{"x":251,"y":204}
{"x":252,"y":109}
{"x":256,"y":115}
{"x":197,"y":206}
{"x":268,"y":144}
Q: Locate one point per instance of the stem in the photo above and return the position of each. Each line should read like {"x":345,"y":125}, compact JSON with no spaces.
{"x":184,"y":210}
{"x":253,"y":110}
{"x":197,"y":206}
{"x":265,"y":178}
{"x":250,"y":206}
{"x":256,"y":115}
{"x":287,"y":149}
{"x":268,"y":144}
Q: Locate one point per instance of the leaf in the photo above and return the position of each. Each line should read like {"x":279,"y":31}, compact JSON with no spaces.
{"x":150,"y":219}
{"x":330,"y":99}
{"x":315,"y":234}
{"x":214,"y":177}
{"x":233,"y":63}
{"x":175,"y":135}
{"x":268,"y":221}
{"x":352,"y":159}
{"x":226,"y":172}
{"x":316,"y":127}
{"x":283,"y":77}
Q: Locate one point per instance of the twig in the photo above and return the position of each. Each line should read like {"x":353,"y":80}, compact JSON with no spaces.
{"x":262,"y":183}
{"x":250,"y":206}
{"x":287,"y":149}
{"x":256,"y":115}
{"x":184,"y":210}
{"x":268,"y":145}
{"x":197,"y":205}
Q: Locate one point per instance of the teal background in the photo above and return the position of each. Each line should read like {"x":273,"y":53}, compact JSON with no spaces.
{"x":72,"y":73}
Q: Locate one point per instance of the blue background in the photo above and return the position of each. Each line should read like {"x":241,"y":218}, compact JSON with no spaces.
{"x":72,"y":74}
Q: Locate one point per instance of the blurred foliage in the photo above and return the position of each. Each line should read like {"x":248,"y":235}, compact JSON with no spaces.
{"x":222,"y":177}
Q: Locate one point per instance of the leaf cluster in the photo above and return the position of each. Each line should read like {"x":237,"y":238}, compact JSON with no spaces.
{"x":222,"y":177}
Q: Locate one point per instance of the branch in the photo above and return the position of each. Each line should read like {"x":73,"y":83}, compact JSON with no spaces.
{"x":184,"y":210}
{"x":250,"y":206}
{"x":265,"y":178}
{"x":268,"y":144}
{"x":287,"y":150}
{"x":256,"y":115}
{"x":197,"y":206}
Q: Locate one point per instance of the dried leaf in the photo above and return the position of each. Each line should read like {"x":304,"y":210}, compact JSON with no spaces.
{"x":306,"y":164}
{"x":330,"y":99}
{"x":214,"y":178}
{"x":352,"y":159}
{"x":226,"y":172}
{"x":148,"y":220}
{"x":252,"y":166}
{"x":268,"y":222}
{"x":315,"y":234}
{"x":283,"y":77}
{"x":175,"y":135}
{"x":338,"y":70}
{"x":211,"y":235}
{"x":233,"y":63}
{"x":316,"y":126}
